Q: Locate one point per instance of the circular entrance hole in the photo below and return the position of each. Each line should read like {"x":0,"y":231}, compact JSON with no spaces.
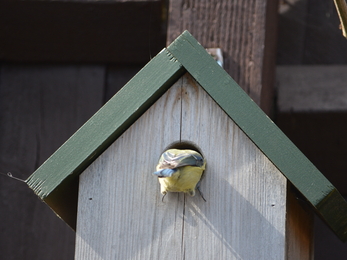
{"x":182,"y":145}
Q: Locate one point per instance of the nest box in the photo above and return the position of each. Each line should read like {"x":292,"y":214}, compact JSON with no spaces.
{"x":260,"y":189}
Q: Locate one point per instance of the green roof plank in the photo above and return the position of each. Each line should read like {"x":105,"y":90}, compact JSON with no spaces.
{"x":263,"y":132}
{"x":61,"y":169}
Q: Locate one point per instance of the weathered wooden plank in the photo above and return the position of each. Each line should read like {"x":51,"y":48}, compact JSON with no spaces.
{"x":122,"y":216}
{"x":87,"y":31}
{"x":245,"y":193}
{"x":40,"y":107}
{"x":64,"y":166}
{"x":120,"y":212}
{"x":241,"y":29}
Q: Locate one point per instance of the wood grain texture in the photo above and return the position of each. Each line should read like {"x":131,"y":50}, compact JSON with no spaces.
{"x":240,"y":29}
{"x":120,"y":212}
{"x":40,"y":107}
{"x":245,"y":192}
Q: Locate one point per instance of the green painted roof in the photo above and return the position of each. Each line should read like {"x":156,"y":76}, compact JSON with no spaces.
{"x":56,"y":181}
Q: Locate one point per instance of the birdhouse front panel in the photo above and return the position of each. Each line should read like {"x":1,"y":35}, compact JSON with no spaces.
{"x":242,"y":208}
{"x":121,"y":213}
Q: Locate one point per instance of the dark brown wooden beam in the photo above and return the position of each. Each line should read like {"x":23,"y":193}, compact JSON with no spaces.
{"x":81,"y":31}
{"x":244,"y":30}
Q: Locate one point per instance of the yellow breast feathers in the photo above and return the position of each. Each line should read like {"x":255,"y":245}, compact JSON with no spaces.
{"x":180,"y":171}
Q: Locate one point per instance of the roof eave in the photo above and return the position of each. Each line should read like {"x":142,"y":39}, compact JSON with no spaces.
{"x":56,"y":180}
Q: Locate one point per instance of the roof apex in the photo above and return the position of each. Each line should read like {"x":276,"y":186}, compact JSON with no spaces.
{"x":56,"y":180}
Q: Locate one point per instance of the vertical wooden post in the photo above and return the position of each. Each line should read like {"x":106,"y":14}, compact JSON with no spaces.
{"x":244,"y":30}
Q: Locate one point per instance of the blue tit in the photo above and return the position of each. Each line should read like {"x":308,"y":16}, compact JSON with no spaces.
{"x":180,"y":171}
